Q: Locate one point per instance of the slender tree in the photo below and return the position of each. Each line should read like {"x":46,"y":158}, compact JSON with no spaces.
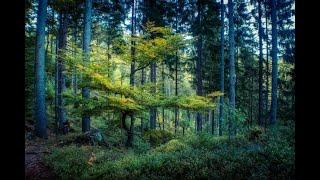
{"x":221,"y":113}
{"x":176,"y":110}
{"x":62,"y":43}
{"x":274,"y":80}
{"x":267,"y":68}
{"x":153,"y":79}
{"x":199,"y":90}
{"x":132,"y":72}
{"x":86,"y":49}
{"x":232,"y":75}
{"x":40,"y":104}
{"x":260,"y":31}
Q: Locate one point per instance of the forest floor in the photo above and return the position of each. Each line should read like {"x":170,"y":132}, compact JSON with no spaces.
{"x":35,"y":150}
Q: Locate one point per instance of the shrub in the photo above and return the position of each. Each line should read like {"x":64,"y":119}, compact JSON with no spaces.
{"x":171,"y":146}
{"x":254,"y":133}
{"x":194,"y":157}
{"x":157,"y":137}
{"x":140,"y":145}
{"x":69,"y":162}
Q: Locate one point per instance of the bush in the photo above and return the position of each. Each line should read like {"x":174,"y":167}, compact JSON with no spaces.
{"x":140,"y":145}
{"x":254,"y":133}
{"x":69,"y":162}
{"x":171,"y":146}
{"x":157,"y":137}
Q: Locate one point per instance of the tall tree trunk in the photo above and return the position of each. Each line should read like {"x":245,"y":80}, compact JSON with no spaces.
{"x":274,"y":83}
{"x":221,"y":70}
{"x":176,"y":110}
{"x":56,"y":87}
{"x":199,"y":67}
{"x":143,"y":77}
{"x":267,"y":73}
{"x":40,"y":104}
{"x":62,"y":44}
{"x":251,"y":98}
{"x":132,"y":72}
{"x":163,"y":91}
{"x":212,"y":122}
{"x":75,"y":79}
{"x":153,"y":76}
{"x":232,"y":76}
{"x":260,"y":106}
{"x":86,"y":49}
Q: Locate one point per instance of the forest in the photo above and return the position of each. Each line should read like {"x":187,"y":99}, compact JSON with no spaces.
{"x":159,"y":89}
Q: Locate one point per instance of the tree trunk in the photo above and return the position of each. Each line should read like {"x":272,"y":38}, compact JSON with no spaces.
{"x":274,"y":83}
{"x":40,"y":104}
{"x":212,"y":122}
{"x":260,"y":106}
{"x":267,"y":74}
{"x":86,"y":49}
{"x":143,"y":77}
{"x":176,"y":110}
{"x":232,"y":77}
{"x":62,"y":44}
{"x":153,"y":76}
{"x":221,"y":113}
{"x":132,"y":79}
{"x":130,"y":133}
{"x":163,"y":91}
{"x":199,"y":67}
{"x":75,"y":80}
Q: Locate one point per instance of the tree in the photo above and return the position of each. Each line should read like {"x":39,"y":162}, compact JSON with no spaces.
{"x":61,"y":86}
{"x":86,"y":49}
{"x":40,"y":109}
{"x":260,"y":31}
{"x":199,"y":65}
{"x":221,"y":113}
{"x":274,"y":80}
{"x":232,"y":75}
{"x":132,"y":71}
{"x":267,"y":65}
{"x":152,"y":11}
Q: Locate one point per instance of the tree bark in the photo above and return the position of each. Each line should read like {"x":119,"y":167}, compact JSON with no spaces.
{"x":199,"y":67}
{"x":221,"y":113}
{"x":62,"y":44}
{"x":267,"y":73}
{"x":40,"y":104}
{"x":153,"y":76}
{"x":86,"y":49}
{"x":274,"y":83}
{"x":232,"y":76}
{"x":132,"y":73}
{"x":260,"y":105}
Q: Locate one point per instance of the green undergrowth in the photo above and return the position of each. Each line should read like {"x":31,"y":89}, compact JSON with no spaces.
{"x":268,"y":155}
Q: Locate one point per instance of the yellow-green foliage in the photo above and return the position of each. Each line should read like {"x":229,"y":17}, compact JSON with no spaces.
{"x":123,"y":104}
{"x":156,"y":48}
{"x":121,"y":96}
{"x":144,"y":98}
{"x":192,"y":102}
{"x":171,"y":146}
